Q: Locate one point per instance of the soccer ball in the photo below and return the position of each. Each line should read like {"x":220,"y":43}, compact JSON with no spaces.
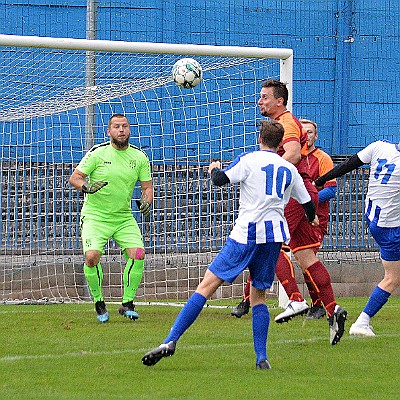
{"x":187,"y":73}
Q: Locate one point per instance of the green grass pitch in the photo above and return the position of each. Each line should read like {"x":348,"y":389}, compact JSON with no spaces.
{"x":62,"y":352}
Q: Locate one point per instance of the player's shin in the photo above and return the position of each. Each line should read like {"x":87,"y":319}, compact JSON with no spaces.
{"x":186,"y":317}
{"x":133,"y":273}
{"x":260,"y":325}
{"x":321,"y":279}
{"x":94,"y":278}
{"x":315,"y":299}
{"x":285,"y":272}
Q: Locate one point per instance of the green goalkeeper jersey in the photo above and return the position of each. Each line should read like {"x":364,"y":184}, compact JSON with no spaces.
{"x":121,"y":169}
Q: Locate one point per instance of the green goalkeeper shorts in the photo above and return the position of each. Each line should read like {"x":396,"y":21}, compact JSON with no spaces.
{"x":95,"y":234}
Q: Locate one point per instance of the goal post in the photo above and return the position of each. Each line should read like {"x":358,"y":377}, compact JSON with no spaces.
{"x":49,"y":96}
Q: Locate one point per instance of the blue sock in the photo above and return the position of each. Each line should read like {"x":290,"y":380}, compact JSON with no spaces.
{"x":376,"y":301}
{"x":260,"y":319}
{"x":186,"y":317}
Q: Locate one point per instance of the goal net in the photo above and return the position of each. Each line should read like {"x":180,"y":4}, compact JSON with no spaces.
{"x":56,"y":96}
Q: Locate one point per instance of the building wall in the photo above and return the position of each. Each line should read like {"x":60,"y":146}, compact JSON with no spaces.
{"x":346,"y":52}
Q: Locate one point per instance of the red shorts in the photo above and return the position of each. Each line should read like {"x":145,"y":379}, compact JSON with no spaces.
{"x":302,"y":234}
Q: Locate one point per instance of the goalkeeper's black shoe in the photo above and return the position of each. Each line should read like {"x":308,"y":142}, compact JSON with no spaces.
{"x":241,"y":309}
{"x":263,"y":364}
{"x":154,"y":356}
{"x":128,"y":310}
{"x":101,"y":310}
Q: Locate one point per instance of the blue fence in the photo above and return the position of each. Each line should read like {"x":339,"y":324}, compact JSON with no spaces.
{"x":40,"y":211}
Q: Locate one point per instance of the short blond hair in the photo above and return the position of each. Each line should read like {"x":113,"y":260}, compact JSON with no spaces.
{"x":308,"y":121}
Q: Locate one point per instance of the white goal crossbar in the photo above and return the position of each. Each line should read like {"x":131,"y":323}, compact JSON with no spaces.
{"x":285,"y":55}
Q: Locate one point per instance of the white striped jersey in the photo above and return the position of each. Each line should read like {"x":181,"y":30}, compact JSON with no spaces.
{"x":267,"y":181}
{"x":382,"y":204}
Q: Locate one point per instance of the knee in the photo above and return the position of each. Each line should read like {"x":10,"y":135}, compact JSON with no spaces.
{"x":257,"y":296}
{"x":391,"y":281}
{"x":139,"y":254}
{"x":92,"y":259}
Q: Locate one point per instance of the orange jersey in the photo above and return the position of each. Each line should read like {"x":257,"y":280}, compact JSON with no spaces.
{"x":294,"y":212}
{"x":293,"y":131}
{"x":320,"y":163}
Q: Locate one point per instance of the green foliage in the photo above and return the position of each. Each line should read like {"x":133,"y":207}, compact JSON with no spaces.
{"x":62,"y":352}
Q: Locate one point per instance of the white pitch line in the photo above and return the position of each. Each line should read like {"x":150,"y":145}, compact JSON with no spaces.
{"x":43,"y":309}
{"x":15,"y":358}
{"x":145,"y":304}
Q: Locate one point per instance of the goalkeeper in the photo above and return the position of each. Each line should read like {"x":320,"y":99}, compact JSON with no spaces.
{"x":113,"y":169}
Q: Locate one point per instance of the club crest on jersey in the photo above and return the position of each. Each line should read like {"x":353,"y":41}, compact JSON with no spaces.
{"x":132,"y":164}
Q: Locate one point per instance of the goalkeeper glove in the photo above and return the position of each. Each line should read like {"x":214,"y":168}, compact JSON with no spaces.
{"x":93,"y":187}
{"x":144,"y":207}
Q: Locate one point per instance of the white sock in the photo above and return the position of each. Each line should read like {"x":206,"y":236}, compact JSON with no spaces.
{"x":363,"y":319}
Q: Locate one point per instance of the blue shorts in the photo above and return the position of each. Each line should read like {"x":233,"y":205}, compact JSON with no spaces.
{"x":235,"y":257}
{"x":388,"y":240}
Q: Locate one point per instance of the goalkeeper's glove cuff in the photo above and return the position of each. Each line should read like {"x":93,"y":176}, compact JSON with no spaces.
{"x":93,"y":187}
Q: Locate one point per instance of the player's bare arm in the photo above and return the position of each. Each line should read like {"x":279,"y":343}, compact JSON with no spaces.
{"x":315,"y":221}
{"x":214,"y":164}
{"x":144,"y":203}
{"x":78,"y":181}
{"x":292,"y":152}
{"x":147,"y":191}
{"x":218,"y":177}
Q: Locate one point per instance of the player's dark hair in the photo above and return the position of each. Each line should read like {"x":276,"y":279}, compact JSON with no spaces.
{"x":271,"y":133}
{"x":116,"y":116}
{"x":279,"y":89}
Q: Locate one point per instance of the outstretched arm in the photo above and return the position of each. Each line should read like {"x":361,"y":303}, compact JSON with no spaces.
{"x":218,"y":177}
{"x":352,"y":163}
